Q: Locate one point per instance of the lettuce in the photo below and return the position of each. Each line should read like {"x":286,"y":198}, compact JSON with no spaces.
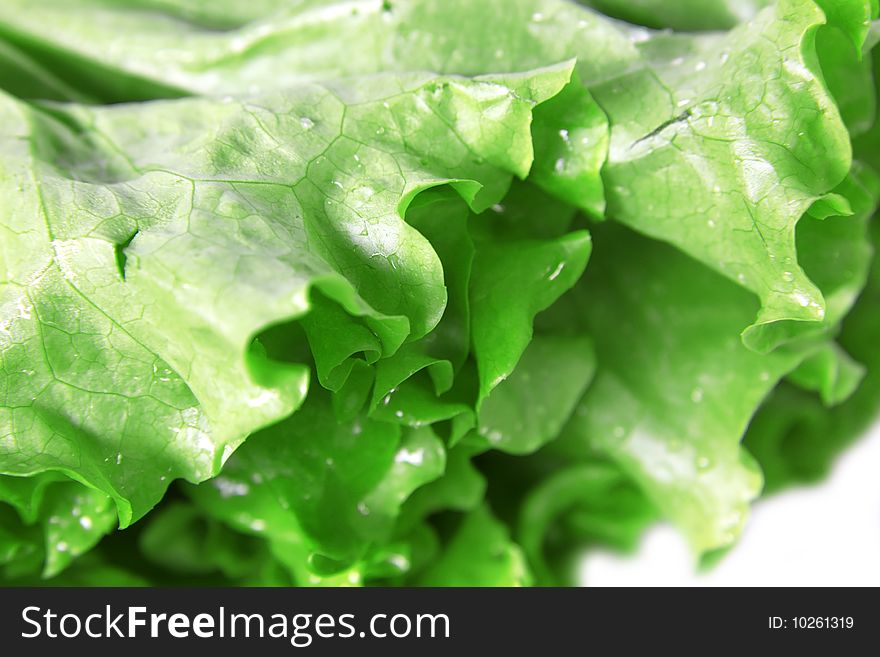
{"x":345,"y":293}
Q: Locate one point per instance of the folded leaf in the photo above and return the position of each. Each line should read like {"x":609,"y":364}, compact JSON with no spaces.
{"x":674,"y":388}
{"x":145,"y":246}
{"x":480,"y":553}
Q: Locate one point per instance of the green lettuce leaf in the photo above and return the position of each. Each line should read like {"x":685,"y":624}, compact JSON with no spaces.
{"x":674,"y":388}
{"x":576,"y":507}
{"x":52,"y":520}
{"x":794,"y":436}
{"x":128,"y":317}
{"x":329,"y":263}
{"x":322,"y":490}
{"x":479,"y":553}
{"x":709,"y":134}
{"x":684,"y":15}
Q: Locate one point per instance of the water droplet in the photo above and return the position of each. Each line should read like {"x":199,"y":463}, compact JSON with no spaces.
{"x":700,"y":66}
{"x":560,"y":165}
{"x":787,"y":276}
{"x":678,"y":61}
{"x":704,"y":463}
{"x":555,"y":274}
{"x":118,"y":458}
{"x":363,"y":509}
{"x":228,"y":488}
{"x":85,"y":522}
{"x":697,"y":395}
{"x":498,"y":208}
{"x":399,"y":561}
{"x":61,"y":546}
{"x":414,"y":457}
{"x":306,"y":123}
{"x":398,"y":414}
{"x":380,"y":130}
{"x":802,"y":299}
{"x":537,"y":17}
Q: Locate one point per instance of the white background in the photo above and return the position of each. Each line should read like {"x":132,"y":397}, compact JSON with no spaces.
{"x":824,"y":535}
